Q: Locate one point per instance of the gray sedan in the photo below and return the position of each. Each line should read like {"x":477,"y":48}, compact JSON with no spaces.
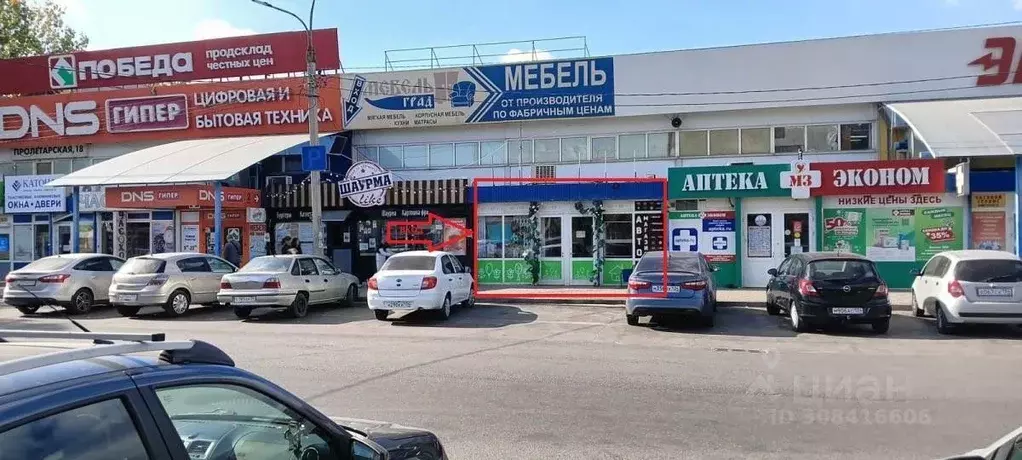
{"x":286,"y":282}
{"x":173,"y":281}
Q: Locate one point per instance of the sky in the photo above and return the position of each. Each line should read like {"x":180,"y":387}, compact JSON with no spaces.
{"x":368,"y":29}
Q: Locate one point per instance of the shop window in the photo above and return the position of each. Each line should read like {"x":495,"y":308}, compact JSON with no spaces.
{"x":856,"y":136}
{"x":660,"y":145}
{"x":520,"y":152}
{"x":79,"y":164}
{"x":441,"y":155}
{"x":685,"y":205}
{"x":390,"y":157}
{"x":789,"y":139}
{"x":491,"y":237}
{"x":24,"y":168}
{"x":550,"y":228}
{"x":292,"y":163}
{"x":7,"y":169}
{"x":821,"y":138}
{"x":5,"y":246}
{"x":43,"y":245}
{"x":632,"y":146}
{"x":755,"y":140}
{"x":618,"y":235}
{"x":723,"y":142}
{"x":548,"y":150}
{"x":693,"y":143}
{"x":582,"y":237}
{"x":44,"y":167}
{"x":416,"y":156}
{"x":515,"y":229}
{"x":23,"y":243}
{"x":86,"y":236}
{"x":368,"y":153}
{"x":466,"y":154}
{"x":493,"y":153}
{"x":604,"y":148}
{"x":137,"y":241}
{"x":574,"y":149}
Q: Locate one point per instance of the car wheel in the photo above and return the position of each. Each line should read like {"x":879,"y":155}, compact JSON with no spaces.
{"x":632,"y":320}
{"x":943,"y":325}
{"x":242,"y":312}
{"x":81,"y":302}
{"x":381,"y":314}
{"x":178,"y":303}
{"x":882,"y":326}
{"x":27,"y":310}
{"x":352,"y":296}
{"x":126,"y":311}
{"x":916,"y":310}
{"x":797,"y":323}
{"x":445,"y":311}
{"x":299,"y":307}
{"x":470,"y":301}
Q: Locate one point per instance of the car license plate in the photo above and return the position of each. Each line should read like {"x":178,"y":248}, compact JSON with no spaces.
{"x":670,"y":289}
{"x":994,"y":291}
{"x":26,"y":283}
{"x":244,"y":299}
{"x":398,"y":305}
{"x":127,"y":297}
{"x":846,"y":311}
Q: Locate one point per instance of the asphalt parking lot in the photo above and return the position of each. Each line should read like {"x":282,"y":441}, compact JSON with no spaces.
{"x":557,"y":381}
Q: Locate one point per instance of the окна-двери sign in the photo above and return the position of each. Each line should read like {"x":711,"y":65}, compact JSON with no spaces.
{"x":513,"y":92}
{"x":28,"y":194}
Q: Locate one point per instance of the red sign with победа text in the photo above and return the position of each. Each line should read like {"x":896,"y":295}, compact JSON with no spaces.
{"x":265,"y":54}
{"x":878,"y":177}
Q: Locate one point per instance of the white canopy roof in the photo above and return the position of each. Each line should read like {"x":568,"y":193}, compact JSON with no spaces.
{"x":199,"y":160}
{"x":973,"y":127}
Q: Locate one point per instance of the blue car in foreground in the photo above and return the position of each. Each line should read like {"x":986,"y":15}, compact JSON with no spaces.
{"x":690,"y":289}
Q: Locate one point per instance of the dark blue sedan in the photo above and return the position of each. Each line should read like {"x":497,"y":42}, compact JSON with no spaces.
{"x":690,"y":289}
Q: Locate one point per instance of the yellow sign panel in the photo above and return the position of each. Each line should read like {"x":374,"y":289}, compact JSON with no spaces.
{"x":988,"y":200}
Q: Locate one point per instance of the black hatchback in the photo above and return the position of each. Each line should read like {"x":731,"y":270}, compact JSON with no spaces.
{"x":821,"y":288}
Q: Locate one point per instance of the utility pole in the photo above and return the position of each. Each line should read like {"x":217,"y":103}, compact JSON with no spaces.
{"x":315,"y":181}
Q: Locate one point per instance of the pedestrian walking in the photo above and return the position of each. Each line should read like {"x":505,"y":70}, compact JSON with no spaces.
{"x":232,"y":252}
{"x":382,"y":254}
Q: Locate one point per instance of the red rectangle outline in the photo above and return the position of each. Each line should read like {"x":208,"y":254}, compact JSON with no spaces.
{"x":475,"y":220}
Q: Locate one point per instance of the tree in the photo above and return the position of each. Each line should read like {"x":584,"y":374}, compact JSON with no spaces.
{"x":29,"y":28}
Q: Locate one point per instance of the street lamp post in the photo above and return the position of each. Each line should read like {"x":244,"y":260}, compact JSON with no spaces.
{"x":316,"y":192}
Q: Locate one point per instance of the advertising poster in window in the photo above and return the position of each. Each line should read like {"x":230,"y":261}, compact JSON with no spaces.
{"x":894,"y":234}
{"x":459,"y":248}
{"x":5,"y":246}
{"x":649,"y":233}
{"x":189,"y":238}
{"x":257,"y":240}
{"x":163,"y":236}
{"x":988,"y":230}
{"x":709,"y":232}
{"x":760,"y":234}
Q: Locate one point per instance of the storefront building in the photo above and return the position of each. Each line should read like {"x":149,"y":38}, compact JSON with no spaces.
{"x":898,"y":213}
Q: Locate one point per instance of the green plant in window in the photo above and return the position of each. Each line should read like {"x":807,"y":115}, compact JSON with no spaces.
{"x":533,"y":244}
{"x":599,"y":239}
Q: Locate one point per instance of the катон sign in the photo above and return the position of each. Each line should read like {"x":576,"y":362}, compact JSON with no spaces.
{"x":803,"y":178}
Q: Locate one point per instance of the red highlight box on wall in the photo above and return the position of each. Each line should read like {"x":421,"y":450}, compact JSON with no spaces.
{"x":564,"y":180}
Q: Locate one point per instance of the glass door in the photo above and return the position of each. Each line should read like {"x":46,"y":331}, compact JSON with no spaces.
{"x":43,"y":241}
{"x":551,"y":260}
{"x":62,"y":238}
{"x":582,"y":247}
{"x":797,"y":233}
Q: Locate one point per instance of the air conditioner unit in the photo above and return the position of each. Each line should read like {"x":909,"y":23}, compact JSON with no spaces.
{"x":544,"y":171}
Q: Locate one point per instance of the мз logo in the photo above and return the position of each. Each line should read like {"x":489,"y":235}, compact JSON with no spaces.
{"x":63,"y":72}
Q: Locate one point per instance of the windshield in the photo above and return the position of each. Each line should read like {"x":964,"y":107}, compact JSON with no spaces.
{"x":47,"y":264}
{"x":821,"y":270}
{"x":267,"y":264}
{"x":411,"y":263}
{"x":989,"y":271}
{"x":676,"y":262}
{"x":143,"y":266}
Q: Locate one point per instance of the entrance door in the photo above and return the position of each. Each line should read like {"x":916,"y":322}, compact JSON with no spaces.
{"x":580,"y":262}
{"x":62,"y":238}
{"x":553,"y":269}
{"x":773,"y":230}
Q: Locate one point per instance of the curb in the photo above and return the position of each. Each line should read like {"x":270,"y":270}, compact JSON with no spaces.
{"x":602,"y":303}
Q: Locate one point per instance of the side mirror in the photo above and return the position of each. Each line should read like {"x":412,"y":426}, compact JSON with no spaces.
{"x":364,"y":451}
{"x":915,"y":272}
{"x":772,"y":272}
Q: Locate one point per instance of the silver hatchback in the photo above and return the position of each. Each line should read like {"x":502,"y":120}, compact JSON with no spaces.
{"x":76,"y":282}
{"x":173,"y":281}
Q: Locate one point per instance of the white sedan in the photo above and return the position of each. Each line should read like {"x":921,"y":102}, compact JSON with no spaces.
{"x":287,"y":282}
{"x":969,"y":286}
{"x":420,"y":280}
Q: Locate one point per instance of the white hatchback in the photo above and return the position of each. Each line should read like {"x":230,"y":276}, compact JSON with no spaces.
{"x":970,"y":286}
{"x":420,"y":280}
